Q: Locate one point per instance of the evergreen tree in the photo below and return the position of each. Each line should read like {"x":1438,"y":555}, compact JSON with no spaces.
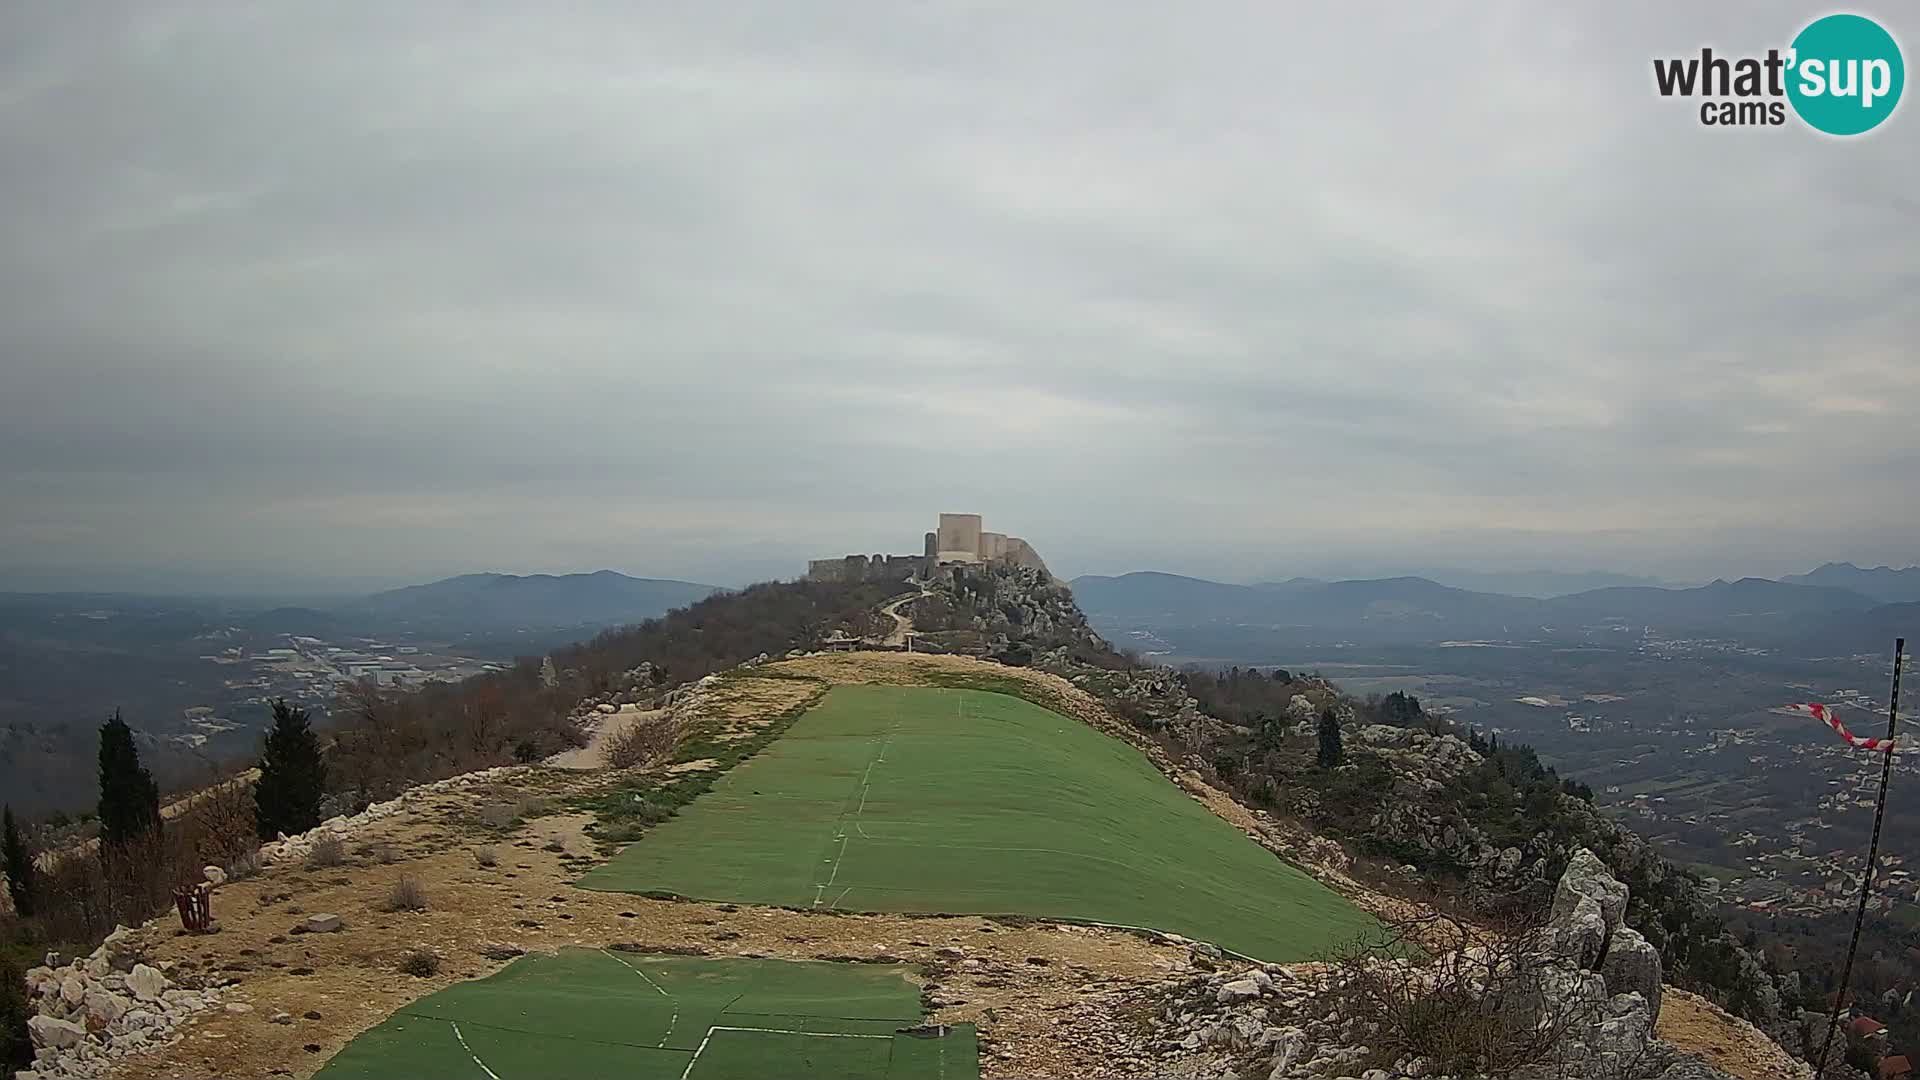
{"x":129,"y":799}
{"x":16,"y":1039}
{"x":1331,"y":752}
{"x":19,"y":865}
{"x":286,"y":798}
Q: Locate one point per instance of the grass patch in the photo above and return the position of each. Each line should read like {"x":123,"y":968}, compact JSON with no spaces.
{"x":588,"y":1012}
{"x":913,"y":799}
{"x":626,"y":811}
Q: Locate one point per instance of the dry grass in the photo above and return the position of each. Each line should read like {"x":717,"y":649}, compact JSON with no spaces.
{"x":244,"y":865}
{"x":420,"y":963}
{"x":485,"y":855}
{"x":1480,"y":1007}
{"x":642,"y":743}
{"x":407,"y":894}
{"x":327,"y":851}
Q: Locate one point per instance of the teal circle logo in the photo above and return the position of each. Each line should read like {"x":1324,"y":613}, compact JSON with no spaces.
{"x":1845,"y":75}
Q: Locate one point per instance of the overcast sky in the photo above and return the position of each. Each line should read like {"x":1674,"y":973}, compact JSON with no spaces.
{"x":331,"y":293}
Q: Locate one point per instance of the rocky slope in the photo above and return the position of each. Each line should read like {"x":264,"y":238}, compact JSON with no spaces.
{"x":1433,"y":790}
{"x":1577,"y":999}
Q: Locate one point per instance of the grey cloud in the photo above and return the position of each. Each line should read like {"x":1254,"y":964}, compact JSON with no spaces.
{"x":339,"y":290}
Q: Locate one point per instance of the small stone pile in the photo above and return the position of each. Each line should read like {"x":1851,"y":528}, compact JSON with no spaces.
{"x":95,"y":1010}
{"x":294,"y":848}
{"x":1586,"y":975}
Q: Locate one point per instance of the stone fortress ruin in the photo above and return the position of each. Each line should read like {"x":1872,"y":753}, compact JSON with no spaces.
{"x":958,"y":539}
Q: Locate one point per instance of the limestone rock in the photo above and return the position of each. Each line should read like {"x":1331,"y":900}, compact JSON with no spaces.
{"x":1581,"y":934}
{"x":1632,"y":966}
{"x":214,"y":875}
{"x":146,"y":982}
{"x":105,"y":1007}
{"x":48,"y":1031}
{"x":1237,"y":990}
{"x":325,"y":923}
{"x":1587,"y":876}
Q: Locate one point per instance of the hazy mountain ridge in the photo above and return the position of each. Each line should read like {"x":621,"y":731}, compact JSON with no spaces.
{"x":1412,"y":606}
{"x":483,"y":601}
{"x":1883,"y":583}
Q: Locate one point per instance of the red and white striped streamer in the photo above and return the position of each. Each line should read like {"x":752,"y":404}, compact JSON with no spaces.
{"x":1825,"y":715}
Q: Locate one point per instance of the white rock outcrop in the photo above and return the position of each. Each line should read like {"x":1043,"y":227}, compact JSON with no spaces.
{"x":89,"y":1013}
{"x":294,"y":848}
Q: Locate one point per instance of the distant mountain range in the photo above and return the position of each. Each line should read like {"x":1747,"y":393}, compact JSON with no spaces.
{"x":1887,"y":585}
{"x":1413,"y":608}
{"x":476,"y":602}
{"x":1539,"y":584}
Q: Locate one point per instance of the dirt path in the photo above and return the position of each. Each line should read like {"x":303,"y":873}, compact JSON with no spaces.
{"x":594,"y":754}
{"x":902,"y":624}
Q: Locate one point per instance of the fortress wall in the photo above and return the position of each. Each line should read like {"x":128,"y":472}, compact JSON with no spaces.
{"x":1021,"y":553}
{"x":960,"y":534}
{"x":864,"y":568}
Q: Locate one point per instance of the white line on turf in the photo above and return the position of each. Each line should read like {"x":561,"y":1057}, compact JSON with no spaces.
{"x":688,"y":1071}
{"x":471,"y":1054}
{"x":675,"y":1019}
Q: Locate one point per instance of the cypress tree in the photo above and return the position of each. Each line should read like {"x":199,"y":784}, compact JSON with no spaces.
{"x":129,"y":799}
{"x":1331,"y":752}
{"x":16,"y":1039}
{"x":293,"y":777}
{"x":19,"y":865}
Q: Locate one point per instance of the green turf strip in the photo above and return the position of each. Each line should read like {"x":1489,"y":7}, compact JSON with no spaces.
{"x":916,"y":799}
{"x":588,"y":1013}
{"x":755,"y":1055}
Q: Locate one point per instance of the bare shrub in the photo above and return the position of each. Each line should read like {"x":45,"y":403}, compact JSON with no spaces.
{"x":1466,"y":998}
{"x":422,"y":963}
{"x":497,"y":815}
{"x":244,"y":865}
{"x":219,"y":822}
{"x":407,"y":894}
{"x":384,"y":853}
{"x":530,"y":808}
{"x":328,"y":850}
{"x":486,"y":856}
{"x":642,"y":743}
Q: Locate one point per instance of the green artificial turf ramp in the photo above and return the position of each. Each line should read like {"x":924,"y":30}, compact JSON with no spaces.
{"x":914,"y":799}
{"x":588,"y":1013}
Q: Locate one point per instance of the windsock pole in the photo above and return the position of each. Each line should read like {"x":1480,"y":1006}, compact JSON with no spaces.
{"x":1873,"y":858}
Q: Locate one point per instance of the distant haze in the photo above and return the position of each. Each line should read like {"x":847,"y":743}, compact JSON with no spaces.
{"x":337,"y":296}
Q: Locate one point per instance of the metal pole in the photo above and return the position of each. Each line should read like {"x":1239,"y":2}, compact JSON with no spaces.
{"x":1873,"y":856}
